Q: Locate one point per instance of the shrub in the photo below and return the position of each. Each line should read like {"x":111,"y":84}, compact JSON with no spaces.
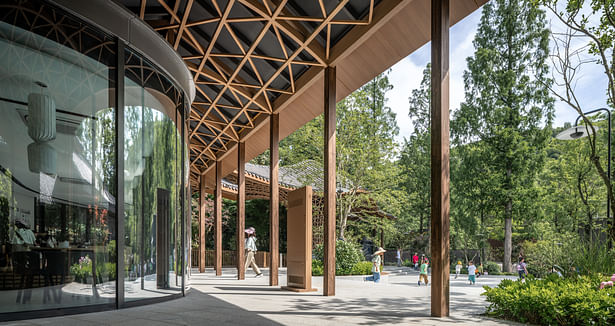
{"x":568,"y":254}
{"x":492,"y":268}
{"x":591,"y":258}
{"x":347,"y":254}
{"x":317,"y":268}
{"x":408,"y":263}
{"x":362,"y":268}
{"x":553,"y":301}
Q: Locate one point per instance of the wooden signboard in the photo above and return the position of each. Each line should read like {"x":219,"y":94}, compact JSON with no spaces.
{"x":299,"y":240}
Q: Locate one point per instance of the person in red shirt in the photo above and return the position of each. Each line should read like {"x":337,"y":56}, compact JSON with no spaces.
{"x":415,"y":261}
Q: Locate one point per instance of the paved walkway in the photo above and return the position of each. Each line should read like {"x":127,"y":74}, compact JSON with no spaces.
{"x":225,"y":301}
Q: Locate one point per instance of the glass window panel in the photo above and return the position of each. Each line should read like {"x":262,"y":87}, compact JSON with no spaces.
{"x":57,"y":160}
{"x":152,"y":253}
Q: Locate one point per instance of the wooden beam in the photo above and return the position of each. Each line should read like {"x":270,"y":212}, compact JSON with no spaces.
{"x":329,"y":178}
{"x":272,"y":78}
{"x":440,"y":194}
{"x":218,"y":219}
{"x":202,"y":206}
{"x":182,"y":26}
{"x":274,"y":201}
{"x":241,"y":208}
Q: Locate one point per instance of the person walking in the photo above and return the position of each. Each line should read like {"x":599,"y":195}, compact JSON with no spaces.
{"x":471,"y":273}
{"x":251,"y":251}
{"x":376,"y":262}
{"x":398,"y":256}
{"x":480,"y":270}
{"x":24,"y":237}
{"x":423,"y":276}
{"x":522,"y":269}
{"x":415,"y":261}
{"x":458,"y":269}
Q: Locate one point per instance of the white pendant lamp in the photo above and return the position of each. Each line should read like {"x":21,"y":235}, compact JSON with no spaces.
{"x":42,"y":157}
{"x":41,"y":117}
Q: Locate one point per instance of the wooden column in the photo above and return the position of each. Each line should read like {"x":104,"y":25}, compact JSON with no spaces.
{"x":202,"y":205}
{"x":440,"y":158}
{"x":241,"y":208}
{"x":329,"y":183}
{"x":218,"y":219}
{"x":274,"y":202}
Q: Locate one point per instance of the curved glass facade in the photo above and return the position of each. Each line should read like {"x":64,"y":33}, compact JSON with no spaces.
{"x":93,"y":196}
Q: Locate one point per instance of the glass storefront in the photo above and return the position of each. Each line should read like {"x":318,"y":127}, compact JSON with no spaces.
{"x":152,"y":178}
{"x":59,"y":176}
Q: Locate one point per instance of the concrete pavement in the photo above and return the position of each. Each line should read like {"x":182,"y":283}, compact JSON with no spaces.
{"x":226,"y":301}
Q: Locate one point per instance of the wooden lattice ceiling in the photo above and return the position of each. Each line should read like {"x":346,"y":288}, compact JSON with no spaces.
{"x":244,"y":54}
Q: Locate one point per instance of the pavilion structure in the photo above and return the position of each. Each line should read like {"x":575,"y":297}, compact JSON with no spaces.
{"x":264,"y":68}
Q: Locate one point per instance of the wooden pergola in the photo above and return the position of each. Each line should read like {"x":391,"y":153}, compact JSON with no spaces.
{"x":264,"y":68}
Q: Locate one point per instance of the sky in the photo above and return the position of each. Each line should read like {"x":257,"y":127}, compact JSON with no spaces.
{"x":406,"y":75}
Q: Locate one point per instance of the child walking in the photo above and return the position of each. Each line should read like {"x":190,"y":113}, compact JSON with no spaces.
{"x":423,"y":274}
{"x":472,"y":273}
{"x":458,"y":269}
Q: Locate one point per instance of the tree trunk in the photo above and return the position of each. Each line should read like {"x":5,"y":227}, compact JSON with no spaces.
{"x":343,"y":220}
{"x":585,"y":199}
{"x":508,"y":237}
{"x":607,"y":182}
{"x":589,"y":227}
{"x":483,"y":256}
{"x":421,"y":223}
{"x":345,"y":208}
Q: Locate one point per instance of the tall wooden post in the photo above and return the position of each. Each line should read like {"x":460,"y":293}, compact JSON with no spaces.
{"x":440,"y":158}
{"x":329,"y":183}
{"x":218,"y":219}
{"x":241,"y":208}
{"x":274,"y":203}
{"x":202,"y":205}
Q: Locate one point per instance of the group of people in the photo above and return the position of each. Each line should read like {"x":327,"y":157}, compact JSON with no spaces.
{"x":377,"y":263}
{"x":473,"y":270}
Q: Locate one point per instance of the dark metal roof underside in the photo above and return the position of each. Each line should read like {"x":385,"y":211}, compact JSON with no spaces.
{"x":245,"y":54}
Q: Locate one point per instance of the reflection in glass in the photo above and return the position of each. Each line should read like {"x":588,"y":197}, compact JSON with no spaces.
{"x":57,"y":161}
{"x":152,"y":227}
{"x":58,"y":170}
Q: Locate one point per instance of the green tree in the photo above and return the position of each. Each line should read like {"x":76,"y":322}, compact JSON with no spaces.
{"x":414,"y":162}
{"x":597,"y":37}
{"x":366,"y":130}
{"x":572,"y":190}
{"x":472,"y":202}
{"x":507,"y":102}
{"x":365,"y":157}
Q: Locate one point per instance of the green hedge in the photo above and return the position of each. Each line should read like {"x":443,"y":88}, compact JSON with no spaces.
{"x":317,"y":268}
{"x":492,"y":268}
{"x":347,"y":255}
{"x":360,"y":268}
{"x":553,"y":301}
